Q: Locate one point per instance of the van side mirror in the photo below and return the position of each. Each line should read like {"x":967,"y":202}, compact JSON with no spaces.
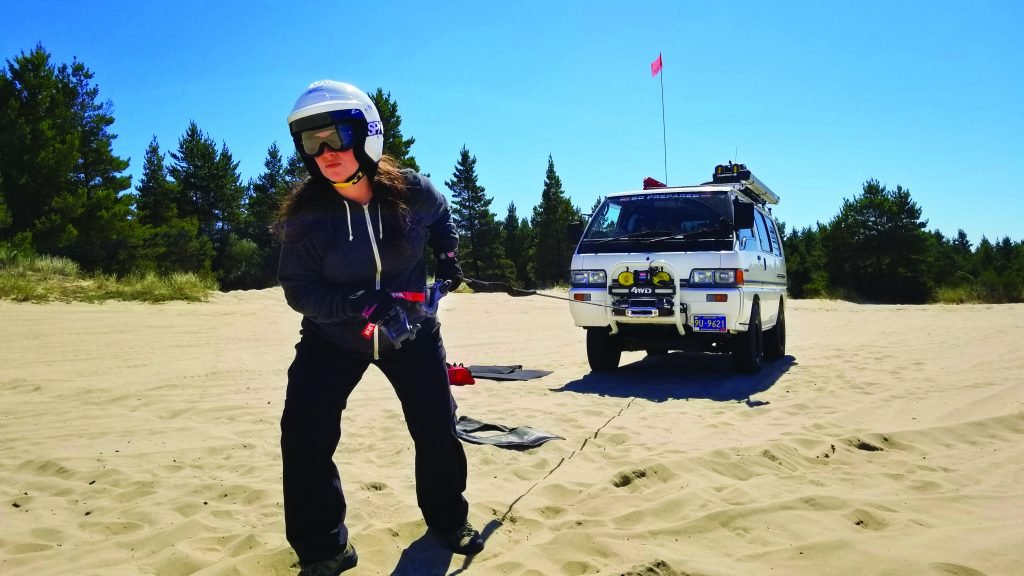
{"x":574,"y":230}
{"x":743,"y":215}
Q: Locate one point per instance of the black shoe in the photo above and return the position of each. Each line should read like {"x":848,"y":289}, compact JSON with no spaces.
{"x":333,"y":566}
{"x":463,"y":540}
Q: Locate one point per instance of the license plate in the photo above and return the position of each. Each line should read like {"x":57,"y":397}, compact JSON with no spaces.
{"x":709,"y":324}
{"x":643,"y":303}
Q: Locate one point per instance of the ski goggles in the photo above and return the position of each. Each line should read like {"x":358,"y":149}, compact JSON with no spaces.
{"x":338,"y":130}
{"x":338,"y":137}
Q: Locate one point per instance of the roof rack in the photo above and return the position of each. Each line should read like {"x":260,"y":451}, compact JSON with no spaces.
{"x":750,"y":186}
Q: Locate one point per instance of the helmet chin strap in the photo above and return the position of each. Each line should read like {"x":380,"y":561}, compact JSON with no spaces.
{"x":350,"y":181}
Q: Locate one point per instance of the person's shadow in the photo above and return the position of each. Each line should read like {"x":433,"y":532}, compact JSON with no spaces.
{"x":682,"y":376}
{"x":427,"y":556}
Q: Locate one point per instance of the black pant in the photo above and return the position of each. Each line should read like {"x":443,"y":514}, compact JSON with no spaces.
{"x":320,"y":380}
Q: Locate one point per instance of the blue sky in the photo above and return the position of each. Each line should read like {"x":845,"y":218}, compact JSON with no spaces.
{"x":816,"y":97}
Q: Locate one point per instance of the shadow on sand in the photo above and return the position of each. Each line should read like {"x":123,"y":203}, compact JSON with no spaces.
{"x":681,"y":376}
{"x":427,"y":556}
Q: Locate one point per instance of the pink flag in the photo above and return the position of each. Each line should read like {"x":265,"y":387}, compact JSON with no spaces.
{"x":656,"y":66}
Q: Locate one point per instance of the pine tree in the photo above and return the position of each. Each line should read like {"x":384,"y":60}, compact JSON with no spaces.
{"x":529,"y":236}
{"x":210,"y":192}
{"x":37,"y":146}
{"x":262,"y":203}
{"x":295,"y":169}
{"x":480,"y":240}
{"x":394,"y":144}
{"x":210,"y":186}
{"x":155,"y":203}
{"x":551,"y":219}
{"x":518,"y":245}
{"x":5,"y":214}
{"x":877,"y":246}
{"x":264,"y":197}
{"x":805,"y":262}
{"x":510,"y":235}
{"x":170,"y":243}
{"x":63,"y":183}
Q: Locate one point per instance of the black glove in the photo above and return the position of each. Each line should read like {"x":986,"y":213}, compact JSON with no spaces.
{"x":448,"y":269}
{"x":374,"y":305}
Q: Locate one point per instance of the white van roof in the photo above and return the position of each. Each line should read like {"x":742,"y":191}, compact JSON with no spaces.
{"x":677,"y":190}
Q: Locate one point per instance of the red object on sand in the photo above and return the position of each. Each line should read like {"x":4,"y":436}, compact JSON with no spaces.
{"x":459,"y":376}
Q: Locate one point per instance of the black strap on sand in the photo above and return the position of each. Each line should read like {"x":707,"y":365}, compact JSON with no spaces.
{"x":482,"y":286}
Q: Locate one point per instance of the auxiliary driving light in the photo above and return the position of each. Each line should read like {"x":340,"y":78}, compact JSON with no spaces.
{"x":661,"y":278}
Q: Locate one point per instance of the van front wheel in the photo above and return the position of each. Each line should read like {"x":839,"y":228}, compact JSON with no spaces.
{"x":603,"y":350}
{"x":775,"y":338}
{"x":748,"y":347}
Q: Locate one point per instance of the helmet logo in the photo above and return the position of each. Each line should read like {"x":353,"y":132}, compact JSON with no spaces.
{"x":374,"y":129}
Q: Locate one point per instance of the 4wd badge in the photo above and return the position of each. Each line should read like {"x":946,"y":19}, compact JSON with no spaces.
{"x":641,"y":290}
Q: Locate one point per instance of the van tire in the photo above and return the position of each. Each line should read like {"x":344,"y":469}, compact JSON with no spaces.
{"x":748,"y":347}
{"x":775,"y":338}
{"x":603,"y":350}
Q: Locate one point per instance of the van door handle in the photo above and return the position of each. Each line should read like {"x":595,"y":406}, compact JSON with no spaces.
{"x":780,"y":275}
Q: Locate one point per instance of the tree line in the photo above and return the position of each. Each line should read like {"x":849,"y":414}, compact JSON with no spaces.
{"x":63,"y":192}
{"x":878,"y":249}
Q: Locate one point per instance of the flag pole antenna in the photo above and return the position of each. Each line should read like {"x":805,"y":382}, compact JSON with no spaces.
{"x":664,"y":137}
{"x":656,"y":70}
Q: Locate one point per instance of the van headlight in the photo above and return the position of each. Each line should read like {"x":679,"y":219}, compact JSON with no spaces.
{"x":588,"y":278}
{"x":716,"y":277}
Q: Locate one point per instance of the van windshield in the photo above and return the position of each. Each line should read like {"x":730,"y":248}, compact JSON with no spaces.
{"x":684,"y":221}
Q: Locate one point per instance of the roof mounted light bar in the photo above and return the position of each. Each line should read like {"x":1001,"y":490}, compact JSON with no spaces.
{"x":739,"y":174}
{"x":650,"y":183}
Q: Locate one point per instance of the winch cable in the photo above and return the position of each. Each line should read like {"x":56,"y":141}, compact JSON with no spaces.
{"x":519,"y":292}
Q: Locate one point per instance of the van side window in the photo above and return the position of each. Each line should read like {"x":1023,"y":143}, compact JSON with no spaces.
{"x":747,"y":235}
{"x":776,"y":241}
{"x":762,"y":232}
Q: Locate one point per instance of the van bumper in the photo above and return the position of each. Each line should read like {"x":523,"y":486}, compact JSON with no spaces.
{"x":592,"y":308}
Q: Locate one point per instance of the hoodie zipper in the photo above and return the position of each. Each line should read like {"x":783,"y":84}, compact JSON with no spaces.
{"x":376,"y":257}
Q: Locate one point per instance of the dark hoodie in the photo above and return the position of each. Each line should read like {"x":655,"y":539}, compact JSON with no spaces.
{"x":342,"y":247}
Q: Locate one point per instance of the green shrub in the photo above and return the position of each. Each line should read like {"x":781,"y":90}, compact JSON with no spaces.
{"x":957,"y":295}
{"x":49,"y":278}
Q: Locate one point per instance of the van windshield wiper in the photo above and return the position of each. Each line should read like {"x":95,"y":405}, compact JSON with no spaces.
{"x":689,"y":235}
{"x":630,"y":236}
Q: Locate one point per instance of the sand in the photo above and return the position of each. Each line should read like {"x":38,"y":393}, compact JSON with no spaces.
{"x":143,"y":439}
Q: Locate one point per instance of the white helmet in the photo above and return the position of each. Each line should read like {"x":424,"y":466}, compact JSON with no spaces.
{"x":331,"y":103}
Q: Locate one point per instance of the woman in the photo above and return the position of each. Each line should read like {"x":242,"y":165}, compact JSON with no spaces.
{"x":353,"y":234}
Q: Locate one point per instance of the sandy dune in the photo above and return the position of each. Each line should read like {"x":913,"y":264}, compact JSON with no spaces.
{"x":142,"y":439}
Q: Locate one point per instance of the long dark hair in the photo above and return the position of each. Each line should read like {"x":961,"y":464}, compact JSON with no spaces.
{"x":312,"y":195}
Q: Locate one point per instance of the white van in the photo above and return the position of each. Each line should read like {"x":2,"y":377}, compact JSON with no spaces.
{"x":696,"y":268}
